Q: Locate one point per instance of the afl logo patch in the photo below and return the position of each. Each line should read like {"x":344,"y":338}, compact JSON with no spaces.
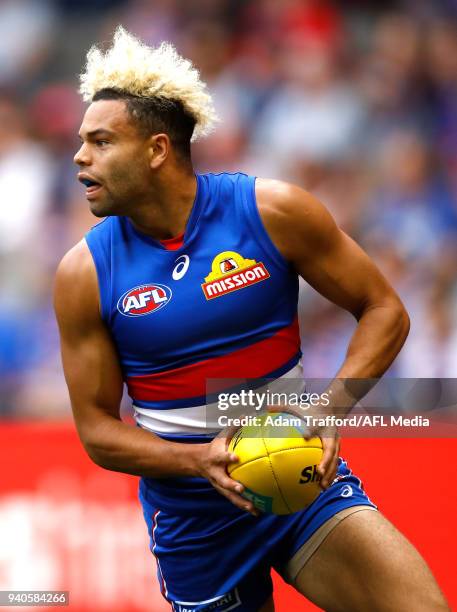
{"x":143,"y":300}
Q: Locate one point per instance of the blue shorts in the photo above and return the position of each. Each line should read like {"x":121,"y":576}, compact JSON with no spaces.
{"x":219,"y":561}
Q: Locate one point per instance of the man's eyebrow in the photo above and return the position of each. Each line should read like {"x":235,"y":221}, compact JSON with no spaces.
{"x":98,"y":132}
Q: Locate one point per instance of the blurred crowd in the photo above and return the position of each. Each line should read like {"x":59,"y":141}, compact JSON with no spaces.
{"x":354,"y":101}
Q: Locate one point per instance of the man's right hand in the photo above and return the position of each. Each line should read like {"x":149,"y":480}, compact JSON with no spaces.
{"x":212,"y":464}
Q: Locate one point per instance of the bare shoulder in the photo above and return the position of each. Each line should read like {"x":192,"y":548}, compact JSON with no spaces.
{"x":285,"y":200}
{"x":293,"y":217}
{"x":76,"y":262}
{"x":76,"y":287}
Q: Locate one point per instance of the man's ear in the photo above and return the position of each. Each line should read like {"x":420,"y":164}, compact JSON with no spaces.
{"x":159,"y":149}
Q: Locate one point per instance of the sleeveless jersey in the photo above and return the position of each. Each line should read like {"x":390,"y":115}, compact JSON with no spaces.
{"x":221,"y":306}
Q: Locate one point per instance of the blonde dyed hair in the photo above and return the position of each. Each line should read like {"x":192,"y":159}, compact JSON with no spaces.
{"x":133,"y":68}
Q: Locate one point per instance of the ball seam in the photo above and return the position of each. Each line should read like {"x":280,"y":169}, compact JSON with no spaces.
{"x":274,"y":475}
{"x":285,"y":450}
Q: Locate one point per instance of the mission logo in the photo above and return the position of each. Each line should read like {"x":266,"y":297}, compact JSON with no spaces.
{"x":143,"y":300}
{"x":230,"y":272}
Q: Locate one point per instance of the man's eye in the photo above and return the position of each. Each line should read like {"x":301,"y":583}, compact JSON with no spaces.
{"x":101,"y":143}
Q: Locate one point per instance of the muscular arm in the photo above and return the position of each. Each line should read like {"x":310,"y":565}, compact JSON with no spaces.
{"x":94,"y":380}
{"x":332,"y":263}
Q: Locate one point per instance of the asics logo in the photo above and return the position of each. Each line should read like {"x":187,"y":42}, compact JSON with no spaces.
{"x":182,"y":265}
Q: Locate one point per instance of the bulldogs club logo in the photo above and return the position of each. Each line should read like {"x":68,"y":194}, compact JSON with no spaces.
{"x":230,"y":272}
{"x":143,"y":300}
{"x":228,"y":265}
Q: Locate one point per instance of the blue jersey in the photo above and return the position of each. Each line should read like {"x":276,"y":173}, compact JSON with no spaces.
{"x":221,"y":306}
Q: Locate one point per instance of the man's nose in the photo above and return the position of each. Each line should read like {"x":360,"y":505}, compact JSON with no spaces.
{"x":82,"y":157}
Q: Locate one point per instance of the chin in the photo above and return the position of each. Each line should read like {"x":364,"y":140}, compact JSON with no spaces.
{"x":99,"y":209}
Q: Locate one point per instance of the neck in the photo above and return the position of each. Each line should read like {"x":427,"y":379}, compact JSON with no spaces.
{"x":166,"y":213}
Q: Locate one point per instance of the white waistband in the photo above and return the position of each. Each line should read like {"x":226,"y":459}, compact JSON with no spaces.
{"x":205,"y":419}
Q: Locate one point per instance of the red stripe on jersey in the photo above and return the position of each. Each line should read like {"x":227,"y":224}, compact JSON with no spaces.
{"x":254,"y":361}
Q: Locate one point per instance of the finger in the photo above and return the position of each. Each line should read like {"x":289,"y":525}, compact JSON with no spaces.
{"x":220,"y":454}
{"x":329,"y":446}
{"x":332,"y":466}
{"x":237,"y":500}
{"x":330,"y":472}
{"x":226,"y":458}
{"x":228,"y":483}
{"x":227,"y":434}
{"x":337,"y":458}
{"x":271,"y":409}
{"x":307,"y":433}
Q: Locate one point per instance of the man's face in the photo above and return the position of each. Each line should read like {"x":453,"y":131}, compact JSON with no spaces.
{"x":113,"y":159}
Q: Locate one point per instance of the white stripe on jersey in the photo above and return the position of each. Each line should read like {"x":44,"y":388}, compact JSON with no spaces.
{"x":203,"y":420}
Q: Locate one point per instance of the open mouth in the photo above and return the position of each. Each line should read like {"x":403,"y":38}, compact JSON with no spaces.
{"x":91,"y":185}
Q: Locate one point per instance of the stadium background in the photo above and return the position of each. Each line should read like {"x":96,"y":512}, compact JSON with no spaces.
{"x":355,"y":101}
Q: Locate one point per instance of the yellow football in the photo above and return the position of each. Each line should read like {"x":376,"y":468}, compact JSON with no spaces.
{"x":277,"y":465}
